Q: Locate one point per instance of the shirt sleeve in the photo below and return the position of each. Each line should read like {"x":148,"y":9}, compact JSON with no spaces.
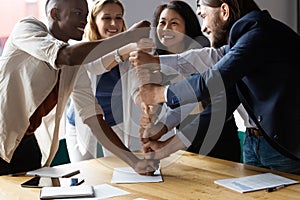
{"x":189,"y":62}
{"x":95,"y":67}
{"x":83,"y":97}
{"x":184,"y":139}
{"x":173,"y":117}
{"x":33,"y":37}
{"x":192,"y":61}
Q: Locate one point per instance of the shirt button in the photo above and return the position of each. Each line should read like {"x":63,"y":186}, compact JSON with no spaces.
{"x":259,"y":118}
{"x":275,"y":137}
{"x":175,"y":100}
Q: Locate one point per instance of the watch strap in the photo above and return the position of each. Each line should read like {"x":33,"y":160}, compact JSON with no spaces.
{"x":118,"y":57}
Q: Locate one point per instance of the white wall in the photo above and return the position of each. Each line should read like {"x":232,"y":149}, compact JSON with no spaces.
{"x":136,"y":10}
{"x":283,"y":10}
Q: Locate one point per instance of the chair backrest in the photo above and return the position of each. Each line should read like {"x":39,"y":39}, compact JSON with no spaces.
{"x":61,"y":156}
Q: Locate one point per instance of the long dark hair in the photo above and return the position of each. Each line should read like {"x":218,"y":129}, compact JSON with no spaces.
{"x":192,"y":25}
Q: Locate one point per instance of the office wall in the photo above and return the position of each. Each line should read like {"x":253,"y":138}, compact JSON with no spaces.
{"x":136,"y":10}
{"x":283,"y":10}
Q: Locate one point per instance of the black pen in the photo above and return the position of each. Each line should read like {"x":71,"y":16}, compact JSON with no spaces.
{"x":18,"y":174}
{"x":271,"y":189}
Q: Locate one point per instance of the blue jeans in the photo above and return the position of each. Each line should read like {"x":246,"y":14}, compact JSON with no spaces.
{"x":258,"y":152}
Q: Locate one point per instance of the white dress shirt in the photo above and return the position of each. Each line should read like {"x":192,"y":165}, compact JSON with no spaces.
{"x":128,"y":129}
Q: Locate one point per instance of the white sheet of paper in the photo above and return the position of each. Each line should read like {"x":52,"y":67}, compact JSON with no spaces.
{"x":53,"y":172}
{"x":255,"y":182}
{"x":103,"y":191}
{"x":128,"y":175}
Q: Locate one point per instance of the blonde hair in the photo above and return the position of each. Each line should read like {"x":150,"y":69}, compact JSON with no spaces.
{"x":91,"y":31}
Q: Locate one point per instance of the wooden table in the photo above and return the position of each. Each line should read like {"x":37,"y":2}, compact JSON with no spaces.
{"x":186,"y":176}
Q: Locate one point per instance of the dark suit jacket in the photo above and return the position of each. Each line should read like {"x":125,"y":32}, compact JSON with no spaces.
{"x":263,"y":64}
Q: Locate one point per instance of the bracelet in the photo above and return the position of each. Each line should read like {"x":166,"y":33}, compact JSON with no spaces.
{"x":118,"y":57}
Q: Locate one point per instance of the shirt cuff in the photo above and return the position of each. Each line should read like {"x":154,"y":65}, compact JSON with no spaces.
{"x":95,"y":67}
{"x":184,"y":139}
{"x":166,"y":93}
{"x":167,"y":63}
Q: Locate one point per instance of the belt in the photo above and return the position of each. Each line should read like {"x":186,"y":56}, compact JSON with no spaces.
{"x":254,"y":132}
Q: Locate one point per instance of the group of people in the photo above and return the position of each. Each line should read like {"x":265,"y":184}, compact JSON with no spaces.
{"x":177,"y":29}
{"x":129,"y":92}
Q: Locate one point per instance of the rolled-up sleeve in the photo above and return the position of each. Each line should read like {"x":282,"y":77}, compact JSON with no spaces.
{"x":33,"y":37}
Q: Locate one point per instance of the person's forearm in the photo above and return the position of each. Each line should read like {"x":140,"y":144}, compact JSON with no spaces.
{"x":85,"y":52}
{"x":173,"y":117}
{"x":152,"y":94}
{"x":190,"y":62}
{"x":172,"y":145}
{"x":106,"y":136}
{"x":109,"y":61}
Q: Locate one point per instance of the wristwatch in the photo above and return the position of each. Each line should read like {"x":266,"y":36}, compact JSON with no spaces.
{"x":118,"y":58}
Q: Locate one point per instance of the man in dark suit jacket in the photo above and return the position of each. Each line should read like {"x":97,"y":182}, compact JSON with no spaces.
{"x":263,"y":66}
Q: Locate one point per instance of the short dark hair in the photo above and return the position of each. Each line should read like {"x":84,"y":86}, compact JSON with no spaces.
{"x":48,"y":2}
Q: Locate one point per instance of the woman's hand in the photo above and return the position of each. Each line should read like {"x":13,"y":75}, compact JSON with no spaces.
{"x":144,"y":44}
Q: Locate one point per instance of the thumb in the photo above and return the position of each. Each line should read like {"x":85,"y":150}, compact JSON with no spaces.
{"x":145,"y":108}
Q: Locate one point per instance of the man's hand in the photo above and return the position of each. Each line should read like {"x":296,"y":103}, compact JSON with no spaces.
{"x":153,"y":132}
{"x":152,"y":94}
{"x":149,"y":115}
{"x":160,"y":149}
{"x":163,"y":149}
{"x":140,"y":30}
{"x":146,"y":166}
{"x":140,"y":24}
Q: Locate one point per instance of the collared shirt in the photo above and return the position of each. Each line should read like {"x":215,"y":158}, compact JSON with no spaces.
{"x":43,"y":110}
{"x":128,"y":130}
{"x":187,"y":63}
{"x":28,"y":74}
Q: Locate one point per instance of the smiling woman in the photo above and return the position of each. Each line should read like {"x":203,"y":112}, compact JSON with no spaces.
{"x":111,"y":87}
{"x":177,"y":28}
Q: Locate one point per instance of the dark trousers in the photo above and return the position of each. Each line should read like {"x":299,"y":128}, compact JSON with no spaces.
{"x":224,"y":145}
{"x":26,"y":157}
